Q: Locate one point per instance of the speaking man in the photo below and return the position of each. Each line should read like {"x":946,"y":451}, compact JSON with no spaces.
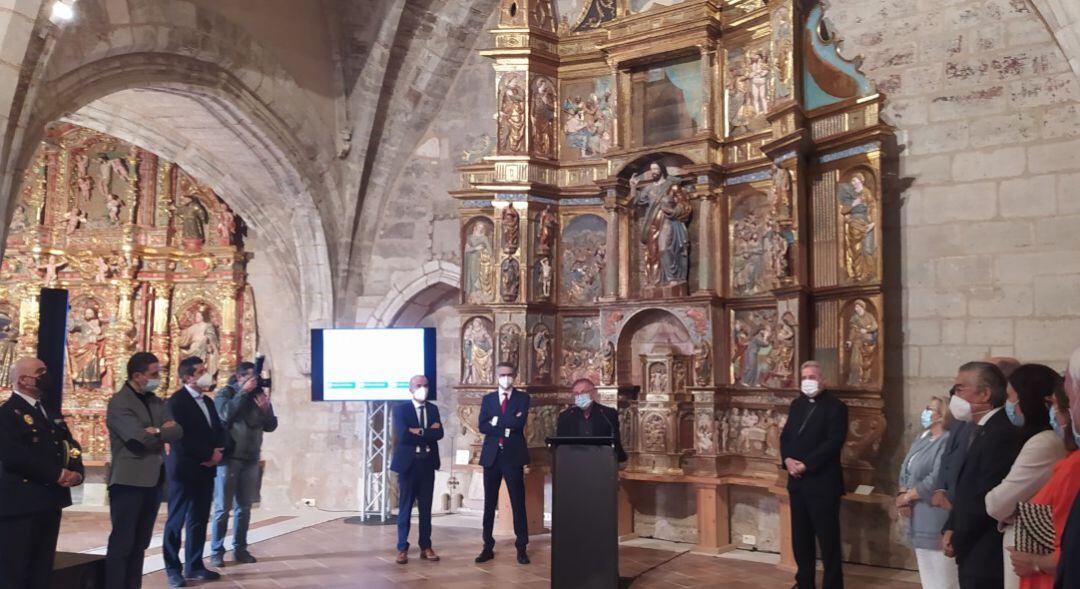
{"x":190,"y":466}
{"x":587,"y":418}
{"x":810,"y":447}
{"x":40,"y":463}
{"x":417,"y":430}
{"x":139,"y":426}
{"x":503,"y":415}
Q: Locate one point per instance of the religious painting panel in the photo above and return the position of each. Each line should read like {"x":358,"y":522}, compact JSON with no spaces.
{"x":582,"y":355}
{"x":668,"y":100}
{"x":569,"y":13}
{"x":101,"y":181}
{"x":764,"y":346}
{"x":545,"y":103}
{"x":479,"y":257}
{"x":512,"y":96}
{"x":87,"y":362}
{"x":860,"y":350}
{"x":541,"y":349}
{"x":478,"y":352}
{"x":847,"y":225}
{"x":588,"y":118}
{"x":748,"y":88}
{"x":197,"y":330}
{"x":760,"y":243}
{"x":584,"y":255}
{"x":510,"y":340}
{"x":750,"y":431}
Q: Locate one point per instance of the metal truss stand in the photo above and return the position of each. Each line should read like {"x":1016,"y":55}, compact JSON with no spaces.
{"x":374,"y":494}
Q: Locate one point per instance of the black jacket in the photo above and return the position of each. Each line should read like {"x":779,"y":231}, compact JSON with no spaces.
{"x":603,"y":422}
{"x":33,"y":451}
{"x":405,"y":417}
{"x":814,"y":435}
{"x":989,"y":458}
{"x":952,"y":458}
{"x":515,"y":447}
{"x":186,"y":455}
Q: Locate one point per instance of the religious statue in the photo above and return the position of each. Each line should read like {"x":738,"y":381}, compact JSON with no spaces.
{"x":201,"y":339}
{"x":782,"y":361}
{"x":857,"y":212}
{"x":664,"y":233}
{"x":9,"y":345}
{"x":589,"y":123}
{"x":19,"y":220}
{"x":546,"y":278}
{"x":226,"y":226}
{"x":548,"y":226}
{"x":757,"y":349}
{"x":654,"y":432}
{"x":194,"y":217}
{"x":510,"y":344}
{"x":75,"y":218}
{"x":703,"y":364}
{"x":705,"y":436}
{"x":541,"y":345}
{"x":86,"y":349}
{"x":544,"y":103}
{"x":759,"y":81}
{"x":107,"y":166}
{"x":861,"y":344}
{"x":82,"y":165}
{"x":511,"y":280}
{"x":479,"y":266}
{"x":51,"y":268}
{"x":85,"y":187}
{"x":478,"y":353}
{"x":113,"y":205}
{"x":725,"y":431}
{"x":658,"y":379}
{"x":542,"y":16}
{"x":607,"y":371}
{"x":102,"y":270}
{"x":511,"y":227}
{"x":512,"y":115}
{"x":781,"y":192}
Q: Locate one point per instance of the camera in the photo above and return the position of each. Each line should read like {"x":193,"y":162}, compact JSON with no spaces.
{"x":260,"y":360}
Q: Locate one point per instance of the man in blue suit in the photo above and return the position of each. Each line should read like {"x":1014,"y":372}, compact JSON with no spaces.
{"x":417,"y":429}
{"x":503,"y":415}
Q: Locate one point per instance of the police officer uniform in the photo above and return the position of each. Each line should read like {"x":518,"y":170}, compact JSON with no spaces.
{"x":34,"y":448}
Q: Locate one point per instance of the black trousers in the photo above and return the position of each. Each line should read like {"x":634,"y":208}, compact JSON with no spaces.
{"x":515,"y":486}
{"x":189,"y":511}
{"x":816,"y":516}
{"x":133,"y":511}
{"x":27,"y":549}
{"x":416,"y":485}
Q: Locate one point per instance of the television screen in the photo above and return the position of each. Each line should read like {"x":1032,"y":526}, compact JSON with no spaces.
{"x":370,"y":364}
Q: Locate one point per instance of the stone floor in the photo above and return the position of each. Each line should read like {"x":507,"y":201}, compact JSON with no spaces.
{"x":338,"y":555}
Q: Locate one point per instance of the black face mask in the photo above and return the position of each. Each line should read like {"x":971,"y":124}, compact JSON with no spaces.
{"x":43,"y":382}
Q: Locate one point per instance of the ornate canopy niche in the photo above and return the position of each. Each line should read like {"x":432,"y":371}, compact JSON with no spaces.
{"x":705,"y":170}
{"x":152,"y":259}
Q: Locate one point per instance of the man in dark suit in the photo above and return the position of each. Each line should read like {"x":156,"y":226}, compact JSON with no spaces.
{"x":503,"y":415}
{"x":190,"y":467}
{"x":810,"y":447}
{"x":139,"y":426}
{"x":969,"y":533}
{"x":952,"y":458}
{"x":417,"y":429}
{"x":587,"y":418}
{"x":40,"y":463}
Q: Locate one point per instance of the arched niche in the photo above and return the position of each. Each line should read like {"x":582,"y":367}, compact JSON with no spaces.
{"x":651,"y":331}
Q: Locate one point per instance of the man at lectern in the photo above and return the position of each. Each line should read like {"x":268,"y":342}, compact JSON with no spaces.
{"x":417,"y":429}
{"x":587,"y":418}
{"x":503,"y":415}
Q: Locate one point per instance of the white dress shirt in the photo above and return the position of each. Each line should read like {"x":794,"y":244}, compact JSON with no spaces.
{"x":198,"y":396}
{"x":989,"y":414}
{"x":421,"y":417}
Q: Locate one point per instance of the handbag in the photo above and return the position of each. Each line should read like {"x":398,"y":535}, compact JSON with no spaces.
{"x":1034,"y":528}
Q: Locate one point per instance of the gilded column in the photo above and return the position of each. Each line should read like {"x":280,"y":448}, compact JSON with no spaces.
{"x":708,"y":54}
{"x":28,"y":320}
{"x":122,"y":331}
{"x":611,"y":269}
{"x":159,"y":335}
{"x":228,"y":292}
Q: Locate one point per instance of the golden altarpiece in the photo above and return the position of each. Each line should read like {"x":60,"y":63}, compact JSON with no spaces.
{"x":685,"y":202}
{"x":152,"y":260}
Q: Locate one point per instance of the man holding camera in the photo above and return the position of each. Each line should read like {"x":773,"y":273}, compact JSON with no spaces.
{"x":246,"y":413}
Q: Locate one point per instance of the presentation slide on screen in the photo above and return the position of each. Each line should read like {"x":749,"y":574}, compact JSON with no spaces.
{"x":371,"y":364}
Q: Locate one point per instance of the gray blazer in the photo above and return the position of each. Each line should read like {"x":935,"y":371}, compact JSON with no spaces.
{"x":138,"y":455}
{"x":920,"y":469}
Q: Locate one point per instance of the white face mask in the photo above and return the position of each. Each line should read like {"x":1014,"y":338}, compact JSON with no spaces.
{"x":505,"y":382}
{"x":420,"y":394}
{"x":810,"y":387}
{"x":960,"y":408}
{"x":151,"y":385}
{"x":205,"y":381}
{"x":583,"y":400}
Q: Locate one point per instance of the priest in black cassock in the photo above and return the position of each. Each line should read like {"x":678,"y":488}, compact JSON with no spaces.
{"x":588,"y":418}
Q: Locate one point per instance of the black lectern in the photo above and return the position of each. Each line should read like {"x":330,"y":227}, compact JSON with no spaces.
{"x":584,"y":518}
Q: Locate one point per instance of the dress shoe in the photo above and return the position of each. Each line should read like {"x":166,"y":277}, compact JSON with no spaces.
{"x":485,"y":556}
{"x":203,"y":575}
{"x":175,"y":579}
{"x":522,"y":557}
{"x":244,"y":556}
{"x":217,"y":560}
{"x":429,"y":554}
{"x":402,"y":557}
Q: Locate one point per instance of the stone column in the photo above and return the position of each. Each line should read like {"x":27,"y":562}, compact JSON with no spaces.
{"x":121,"y":337}
{"x":611,"y":269}
{"x":707,"y":250}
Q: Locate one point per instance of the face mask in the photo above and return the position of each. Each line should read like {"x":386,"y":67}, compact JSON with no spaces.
{"x":205,"y":381}
{"x":927,"y":418}
{"x":960,"y":408}
{"x":1060,"y":431}
{"x":584,"y":401}
{"x":1017,"y":419}
{"x":151,"y":385}
{"x":420,"y":394}
{"x":505,"y":382}
{"x":42,"y":382}
{"x":809,"y":387}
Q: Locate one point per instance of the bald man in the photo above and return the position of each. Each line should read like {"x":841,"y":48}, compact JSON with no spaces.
{"x":39,"y":463}
{"x":417,"y":430}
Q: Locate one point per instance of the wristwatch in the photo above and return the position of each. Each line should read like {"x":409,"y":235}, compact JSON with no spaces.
{"x":157,"y":431}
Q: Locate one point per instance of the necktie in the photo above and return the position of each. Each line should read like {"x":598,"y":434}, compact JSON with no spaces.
{"x":423,"y":422}
{"x":973,"y":434}
{"x":41,"y":410}
{"x":502,"y":410}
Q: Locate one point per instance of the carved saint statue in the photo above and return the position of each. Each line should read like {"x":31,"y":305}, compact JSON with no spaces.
{"x":857,"y":210}
{"x":664,"y":233}
{"x":725,"y":431}
{"x":226,"y":226}
{"x":510,"y":230}
{"x":703,"y":365}
{"x":511,"y":280}
{"x":194,"y":217}
{"x":607,"y":372}
{"x":478,"y":352}
{"x":51,"y":268}
{"x":512,"y":115}
{"x":113,"y":205}
{"x":780,"y":193}
{"x":75,"y":218}
{"x":705,"y":443}
{"x":546,"y":278}
{"x":758,"y":349}
{"x":201,"y":339}
{"x":510,"y":344}
{"x":9,"y":345}
{"x":19,"y":220}
{"x":544,"y":103}
{"x":782,"y":360}
{"x":479,"y":266}
{"x":541,"y":345}
{"x":86,"y":349}
{"x":861,"y":343}
{"x":548,"y":226}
